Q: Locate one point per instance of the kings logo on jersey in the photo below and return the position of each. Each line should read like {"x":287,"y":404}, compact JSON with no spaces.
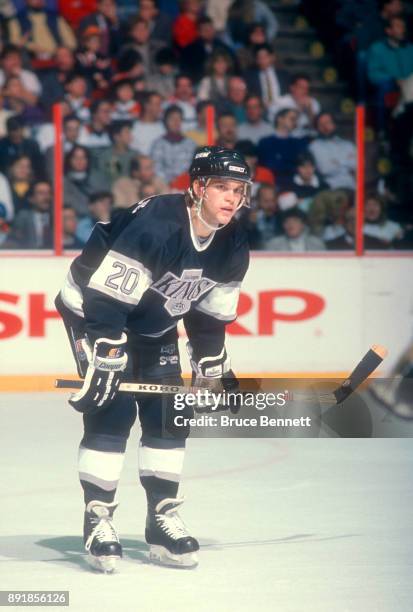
{"x":180,"y":292}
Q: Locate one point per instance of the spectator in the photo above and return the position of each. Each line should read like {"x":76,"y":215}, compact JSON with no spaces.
{"x":79,"y":181}
{"x":306,"y":182}
{"x":75,"y":96}
{"x":74,"y":11}
{"x":199,"y":134}
{"x":184,"y":98}
{"x":389,"y":64}
{"x":361,"y":24}
{"x":160,"y":24}
{"x":106,"y":19}
{"x":173,"y":152}
{"x":150,"y":126}
{"x":32,"y":228}
{"x":376,"y":223}
{"x":346,"y":242}
{"x":297,"y":236}
{"x":197,"y":57}
{"x":265,"y":80}
{"x":6,"y":202}
{"x":391,"y":59}
{"x":20,"y":177}
{"x":327,"y":213}
{"x":300,"y":100}
{"x":259,"y":174}
{"x":12,"y":66}
{"x":15,"y":145}
{"x":139,"y":40}
{"x":5,"y":231}
{"x":254,"y":127}
{"x":280,"y":151}
{"x":71,"y":131}
{"x":70,"y":223}
{"x":125,"y":107}
{"x":185,"y":26}
{"x":243,"y":13}
{"x":95,"y":67}
{"x":41,"y":31}
{"x":227,"y":130}
{"x":214,"y":86}
{"x":246,"y":54}
{"x":5,"y":113}
{"x":162,"y":81}
{"x":44,"y":133}
{"x":237,"y":91}
{"x":54,"y":80}
{"x":263,"y":221}
{"x":99,"y":210}
{"x":335,"y":157}
{"x":217,"y":10}
{"x":96,"y":134}
{"x":113,"y":162}
{"x":142,"y":178}
{"x":16,"y":101}
{"x":130,"y":66}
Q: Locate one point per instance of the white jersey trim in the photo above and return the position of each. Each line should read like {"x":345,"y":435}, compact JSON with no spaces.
{"x":221,"y":302}
{"x":121,"y":277}
{"x":195,"y":240}
{"x":72,"y":296}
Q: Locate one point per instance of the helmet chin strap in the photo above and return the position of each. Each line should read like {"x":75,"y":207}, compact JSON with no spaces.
{"x":198,"y":208}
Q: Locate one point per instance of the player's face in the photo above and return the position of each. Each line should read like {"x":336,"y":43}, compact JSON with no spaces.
{"x":222,"y":199}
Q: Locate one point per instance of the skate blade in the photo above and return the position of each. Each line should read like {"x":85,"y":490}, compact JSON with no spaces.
{"x":107,"y":565}
{"x":161,"y":556}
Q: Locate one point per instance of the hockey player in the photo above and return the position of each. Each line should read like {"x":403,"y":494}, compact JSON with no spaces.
{"x":170,"y":257}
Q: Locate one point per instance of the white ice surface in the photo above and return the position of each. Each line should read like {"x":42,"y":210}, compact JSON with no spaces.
{"x":302,"y":525}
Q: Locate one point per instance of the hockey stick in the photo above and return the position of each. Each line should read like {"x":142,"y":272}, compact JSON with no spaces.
{"x":371,"y":360}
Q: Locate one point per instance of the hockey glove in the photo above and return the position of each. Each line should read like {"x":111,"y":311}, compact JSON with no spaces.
{"x":107,"y":363}
{"x":215,"y":374}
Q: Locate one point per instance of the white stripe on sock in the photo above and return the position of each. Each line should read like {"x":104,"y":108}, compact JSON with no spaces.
{"x":161,"y":462}
{"x":101,"y":465}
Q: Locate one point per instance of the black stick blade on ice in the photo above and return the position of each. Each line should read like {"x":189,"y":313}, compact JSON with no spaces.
{"x":371,"y":360}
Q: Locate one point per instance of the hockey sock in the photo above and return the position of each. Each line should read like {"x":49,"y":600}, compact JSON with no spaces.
{"x":158,"y":489}
{"x":160,"y":467}
{"x":93,"y":492}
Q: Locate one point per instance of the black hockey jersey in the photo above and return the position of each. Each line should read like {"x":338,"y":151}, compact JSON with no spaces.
{"x":147,"y":269}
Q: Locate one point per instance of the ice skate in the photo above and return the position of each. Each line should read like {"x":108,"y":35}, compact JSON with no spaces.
{"x":101,"y":540}
{"x":170,"y":543}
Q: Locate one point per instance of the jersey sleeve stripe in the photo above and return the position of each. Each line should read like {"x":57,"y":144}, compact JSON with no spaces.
{"x":221,"y":302}
{"x":72,"y":296}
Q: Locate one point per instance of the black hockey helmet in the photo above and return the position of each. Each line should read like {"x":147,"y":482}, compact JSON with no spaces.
{"x":216,"y":161}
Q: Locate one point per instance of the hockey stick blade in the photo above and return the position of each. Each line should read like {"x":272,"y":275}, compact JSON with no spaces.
{"x":371,"y":360}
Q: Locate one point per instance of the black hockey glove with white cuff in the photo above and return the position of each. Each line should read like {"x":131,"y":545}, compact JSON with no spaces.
{"x":107,"y":363}
{"x":215,"y":374}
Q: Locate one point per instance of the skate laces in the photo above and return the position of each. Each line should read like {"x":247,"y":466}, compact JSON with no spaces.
{"x":104,"y":530}
{"x":170,"y":522}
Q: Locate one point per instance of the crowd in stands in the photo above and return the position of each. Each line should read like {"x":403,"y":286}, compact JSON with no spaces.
{"x":372,"y":43}
{"x":134,"y":92}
